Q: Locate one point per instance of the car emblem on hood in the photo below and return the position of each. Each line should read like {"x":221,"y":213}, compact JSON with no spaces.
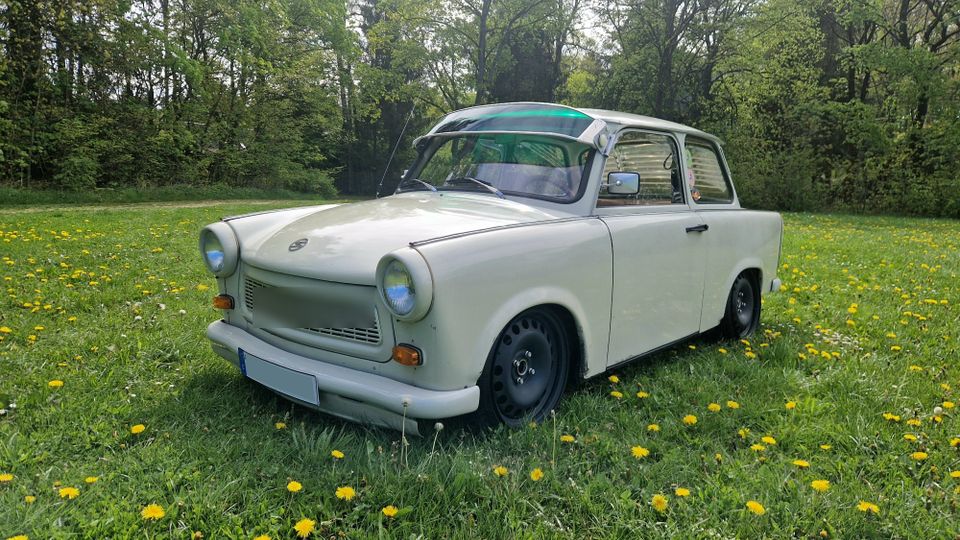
{"x":298,"y":244}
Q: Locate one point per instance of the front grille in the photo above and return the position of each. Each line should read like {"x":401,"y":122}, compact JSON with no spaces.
{"x":359,"y":335}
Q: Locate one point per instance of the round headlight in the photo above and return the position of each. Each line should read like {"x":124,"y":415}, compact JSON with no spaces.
{"x":398,"y":290}
{"x":213,"y":253}
{"x":219,"y":249}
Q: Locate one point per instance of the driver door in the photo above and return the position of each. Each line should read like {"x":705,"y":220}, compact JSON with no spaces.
{"x":658,"y":249}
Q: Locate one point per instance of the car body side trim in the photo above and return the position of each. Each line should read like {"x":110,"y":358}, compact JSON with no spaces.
{"x":500,"y":228}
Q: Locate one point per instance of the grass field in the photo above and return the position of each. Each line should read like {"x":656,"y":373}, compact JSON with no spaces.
{"x":851,"y":379}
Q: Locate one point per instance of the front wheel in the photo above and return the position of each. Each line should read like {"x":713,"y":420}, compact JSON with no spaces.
{"x":526,"y":371}
{"x":742,"y":315}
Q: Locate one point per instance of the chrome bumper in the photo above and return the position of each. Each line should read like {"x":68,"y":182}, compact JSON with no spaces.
{"x":370,"y":398}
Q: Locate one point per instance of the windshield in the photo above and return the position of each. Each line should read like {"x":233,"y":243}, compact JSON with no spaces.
{"x":536,"y":166}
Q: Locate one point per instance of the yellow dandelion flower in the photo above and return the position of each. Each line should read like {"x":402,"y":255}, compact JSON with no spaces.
{"x":389,"y":510}
{"x":758,"y":447}
{"x":653,"y":427}
{"x":820,"y":485}
{"x":955,"y":442}
{"x":909,"y":437}
{"x":948,"y":404}
{"x":262,"y":537}
{"x":137,"y":429}
{"x":152,"y":511}
{"x":500,"y":470}
{"x":865,"y":507}
{"x":30,"y":499}
{"x":756,"y":508}
{"x":336,"y":454}
{"x":743,"y":432}
{"x":750,"y":354}
{"x":891,"y":417}
{"x":5,"y":477}
{"x":659,"y":503}
{"x":304,"y":527}
{"x":614,"y":379}
{"x":769,"y":440}
{"x":293,"y":486}
{"x":56,"y":383}
{"x":802,"y":463}
{"x":567,"y":438}
{"x":536,"y":475}
{"x":68,"y":492}
{"x":733,"y":405}
{"x":718,"y":457}
{"x":681,"y":492}
{"x":790,"y":405}
{"x":639,"y":452}
{"x":713,"y":407}
{"x":896,"y":348}
{"x":19,"y":537}
{"x":642,"y":395}
{"x":918,"y":456}
{"x":616,"y":394}
{"x":721,"y":350}
{"x":689,"y":420}
{"x":280,"y":425}
{"x":345,"y":493}
{"x":825,"y":447}
{"x":5,"y":330}
{"x":91,"y":479}
{"x":914,"y":422}
{"x":954,"y":474}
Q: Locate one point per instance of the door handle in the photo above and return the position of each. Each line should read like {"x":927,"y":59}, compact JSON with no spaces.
{"x":698,"y":228}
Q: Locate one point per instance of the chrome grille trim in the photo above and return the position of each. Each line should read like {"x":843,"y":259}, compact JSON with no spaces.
{"x":359,"y":335}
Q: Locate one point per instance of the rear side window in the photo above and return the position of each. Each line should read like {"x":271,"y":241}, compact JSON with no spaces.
{"x":705,"y":177}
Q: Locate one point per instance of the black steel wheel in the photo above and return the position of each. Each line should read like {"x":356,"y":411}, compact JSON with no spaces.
{"x":742,"y":315}
{"x":526,"y":371}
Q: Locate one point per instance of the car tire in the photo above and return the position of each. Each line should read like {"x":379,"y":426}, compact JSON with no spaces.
{"x":742,"y":315}
{"x":526,"y":371}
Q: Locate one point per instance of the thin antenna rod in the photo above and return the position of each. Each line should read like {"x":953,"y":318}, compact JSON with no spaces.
{"x":395,"y":146}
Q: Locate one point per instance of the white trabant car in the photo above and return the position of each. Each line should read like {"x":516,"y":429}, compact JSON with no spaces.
{"x":528,"y":246}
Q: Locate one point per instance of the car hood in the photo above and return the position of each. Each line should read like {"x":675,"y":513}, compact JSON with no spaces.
{"x":344,"y":243}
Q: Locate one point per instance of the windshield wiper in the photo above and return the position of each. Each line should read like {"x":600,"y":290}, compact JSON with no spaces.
{"x":431,"y":187}
{"x":481,"y":183}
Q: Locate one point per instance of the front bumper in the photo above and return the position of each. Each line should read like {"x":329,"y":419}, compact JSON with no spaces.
{"x":349,"y":393}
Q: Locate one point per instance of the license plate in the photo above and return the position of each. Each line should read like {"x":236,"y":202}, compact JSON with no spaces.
{"x":289,"y":382}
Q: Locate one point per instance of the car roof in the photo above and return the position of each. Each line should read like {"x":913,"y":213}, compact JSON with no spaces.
{"x":614,"y":118}
{"x":640,"y":121}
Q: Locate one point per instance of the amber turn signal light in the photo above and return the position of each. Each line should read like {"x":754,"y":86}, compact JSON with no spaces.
{"x":223,"y":301}
{"x":407,"y":355}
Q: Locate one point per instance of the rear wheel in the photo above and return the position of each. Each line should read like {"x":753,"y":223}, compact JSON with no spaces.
{"x":526,"y":371}
{"x":742,"y":315}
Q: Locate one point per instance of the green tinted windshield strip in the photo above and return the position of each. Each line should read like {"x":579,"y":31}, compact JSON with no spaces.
{"x":529,"y":118}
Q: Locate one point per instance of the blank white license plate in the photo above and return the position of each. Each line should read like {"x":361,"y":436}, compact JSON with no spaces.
{"x":292,"y":383}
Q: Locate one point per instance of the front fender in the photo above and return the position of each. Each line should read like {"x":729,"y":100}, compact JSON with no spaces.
{"x":481,"y":281}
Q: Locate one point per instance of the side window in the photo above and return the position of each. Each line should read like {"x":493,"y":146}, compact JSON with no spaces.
{"x":651,"y":156}
{"x":705,"y":178}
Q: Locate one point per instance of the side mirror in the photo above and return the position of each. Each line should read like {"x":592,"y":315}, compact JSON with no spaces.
{"x":623,"y":183}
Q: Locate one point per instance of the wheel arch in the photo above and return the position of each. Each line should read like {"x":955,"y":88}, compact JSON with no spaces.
{"x":577,"y":334}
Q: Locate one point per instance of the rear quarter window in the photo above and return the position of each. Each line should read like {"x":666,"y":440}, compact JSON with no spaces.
{"x":706,"y":179}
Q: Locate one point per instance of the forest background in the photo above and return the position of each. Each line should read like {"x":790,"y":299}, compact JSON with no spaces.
{"x":825,"y":105}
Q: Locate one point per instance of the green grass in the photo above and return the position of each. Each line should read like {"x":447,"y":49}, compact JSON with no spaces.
{"x":219,"y":192}
{"x":213,"y":459}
